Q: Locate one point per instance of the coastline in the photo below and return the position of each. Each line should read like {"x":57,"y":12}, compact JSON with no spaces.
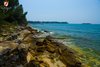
{"x":26,"y":37}
{"x":48,"y":43}
{"x":37,"y":48}
{"x":88,"y":56}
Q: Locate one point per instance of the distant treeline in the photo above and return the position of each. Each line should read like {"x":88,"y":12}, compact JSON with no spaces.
{"x":46,"y":22}
{"x":86,"y":23}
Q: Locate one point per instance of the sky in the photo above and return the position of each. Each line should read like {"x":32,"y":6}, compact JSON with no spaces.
{"x":73,"y":11}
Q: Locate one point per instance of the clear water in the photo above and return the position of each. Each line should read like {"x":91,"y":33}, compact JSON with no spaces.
{"x":83,"y":35}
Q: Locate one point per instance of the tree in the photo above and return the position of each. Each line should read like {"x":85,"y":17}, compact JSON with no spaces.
{"x":13,"y":13}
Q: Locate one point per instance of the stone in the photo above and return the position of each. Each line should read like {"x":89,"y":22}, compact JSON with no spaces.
{"x":12,"y":37}
{"x":39,"y":43}
{"x":50,"y":49}
{"x":29,"y":57}
{"x":40,"y":49}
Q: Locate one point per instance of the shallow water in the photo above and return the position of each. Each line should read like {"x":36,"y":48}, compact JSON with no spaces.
{"x":83,"y":35}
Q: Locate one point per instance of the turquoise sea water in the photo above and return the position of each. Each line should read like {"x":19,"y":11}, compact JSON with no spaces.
{"x":83,"y":35}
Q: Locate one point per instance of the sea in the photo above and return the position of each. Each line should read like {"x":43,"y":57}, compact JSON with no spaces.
{"x":84,"y":36}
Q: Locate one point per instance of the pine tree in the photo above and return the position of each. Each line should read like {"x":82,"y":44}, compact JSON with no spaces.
{"x":13,"y":13}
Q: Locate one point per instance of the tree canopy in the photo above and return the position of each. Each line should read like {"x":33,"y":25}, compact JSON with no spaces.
{"x":13,"y":13}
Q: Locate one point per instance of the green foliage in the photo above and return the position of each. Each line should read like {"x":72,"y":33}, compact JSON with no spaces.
{"x":13,"y":13}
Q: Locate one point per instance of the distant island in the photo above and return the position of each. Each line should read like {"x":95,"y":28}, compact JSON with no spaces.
{"x":86,"y":23}
{"x":46,"y":22}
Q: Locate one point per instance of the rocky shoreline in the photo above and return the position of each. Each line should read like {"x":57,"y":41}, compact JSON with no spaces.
{"x":21,"y":48}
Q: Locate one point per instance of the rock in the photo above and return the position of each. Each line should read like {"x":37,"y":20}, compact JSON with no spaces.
{"x":1,"y":39}
{"x":18,"y":41}
{"x":12,"y":37}
{"x":13,"y":57}
{"x":50,"y":49}
{"x":28,"y":38}
{"x":30,"y":52}
{"x":23,"y":34}
{"x":24,"y":50}
{"x":33,"y":31}
{"x":39,"y":43}
{"x":1,"y":48}
{"x":60,"y":51}
{"x":29,"y":57}
{"x":78,"y":64}
{"x":33,"y":64}
{"x":40,"y":49}
{"x":8,"y":44}
{"x":20,"y":65}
